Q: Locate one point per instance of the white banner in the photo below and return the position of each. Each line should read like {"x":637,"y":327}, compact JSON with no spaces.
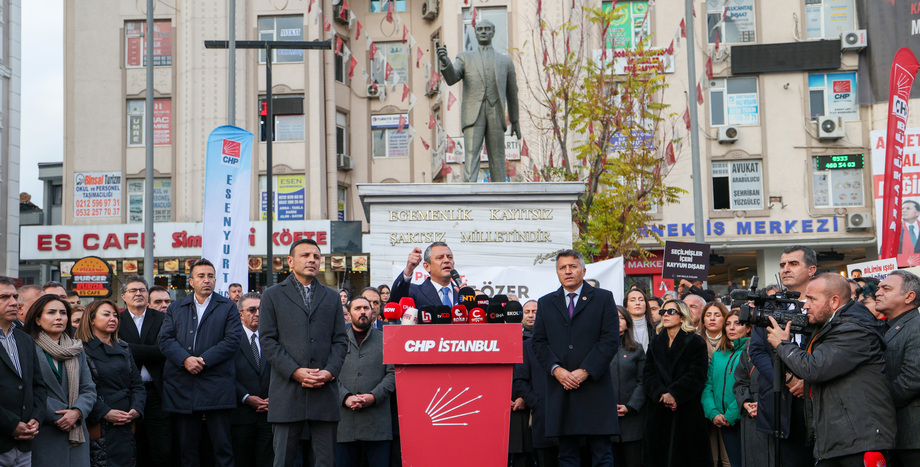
{"x":226,"y":205}
{"x":878,"y":269}
{"x":531,"y":282}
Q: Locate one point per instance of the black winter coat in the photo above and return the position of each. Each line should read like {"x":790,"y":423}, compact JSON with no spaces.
{"x":681,"y":437}
{"x":627,"y":370}
{"x":530,"y":383}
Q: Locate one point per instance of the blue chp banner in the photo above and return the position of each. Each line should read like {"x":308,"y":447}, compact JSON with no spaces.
{"x":224,"y":239}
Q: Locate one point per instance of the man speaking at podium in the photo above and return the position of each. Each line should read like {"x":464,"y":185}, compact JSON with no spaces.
{"x":437,"y":289}
{"x":574,"y":338}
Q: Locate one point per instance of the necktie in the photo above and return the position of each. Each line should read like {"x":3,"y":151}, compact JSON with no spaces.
{"x":255,"y":352}
{"x":445,"y":296}
{"x":572,"y":296}
{"x":309,"y":301}
{"x":913,"y":235}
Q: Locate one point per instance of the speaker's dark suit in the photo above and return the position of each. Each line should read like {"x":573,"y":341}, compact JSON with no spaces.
{"x":22,"y":398}
{"x":424,"y":294}
{"x":251,"y":432}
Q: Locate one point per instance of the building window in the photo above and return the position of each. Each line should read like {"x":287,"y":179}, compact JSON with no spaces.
{"x":162,"y":122}
{"x":381,"y":6}
{"x":341,"y":75}
{"x":288,"y":197}
{"x":57,"y":195}
{"x":396,"y":54}
{"x":386,"y":139}
{"x":162,"y":200}
{"x":838,"y":180}
{"x":739,"y":25}
{"x":629,"y":25}
{"x":826,"y":19}
{"x":341,"y":133}
{"x":737,"y":185}
{"x":833,"y":94}
{"x":136,"y":43}
{"x":342,"y":198}
{"x":281,"y":28}
{"x":734,"y":101}
{"x":498,"y":16}
{"x":288,"y":124}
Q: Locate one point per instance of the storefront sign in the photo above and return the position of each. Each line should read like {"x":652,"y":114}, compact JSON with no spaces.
{"x":720,"y":228}
{"x":651,"y":265}
{"x":96,"y":194}
{"x":686,"y":261}
{"x":92,"y":277}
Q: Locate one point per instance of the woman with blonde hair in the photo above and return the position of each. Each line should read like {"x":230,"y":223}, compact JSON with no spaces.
{"x":674,"y":377}
{"x":63,"y":439}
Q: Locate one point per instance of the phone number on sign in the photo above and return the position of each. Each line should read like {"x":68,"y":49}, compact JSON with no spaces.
{"x":97,"y":203}
{"x":96,"y":212}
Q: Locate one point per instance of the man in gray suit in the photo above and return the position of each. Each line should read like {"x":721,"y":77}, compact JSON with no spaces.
{"x":897,"y":298}
{"x":489,"y":82}
{"x":303,"y":338}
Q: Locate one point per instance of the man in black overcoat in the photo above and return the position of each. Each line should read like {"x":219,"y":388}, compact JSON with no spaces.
{"x":575,"y":337}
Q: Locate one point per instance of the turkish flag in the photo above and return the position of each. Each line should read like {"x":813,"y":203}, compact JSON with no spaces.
{"x":431,"y":122}
{"x":358,"y":30}
{"x":451,"y":100}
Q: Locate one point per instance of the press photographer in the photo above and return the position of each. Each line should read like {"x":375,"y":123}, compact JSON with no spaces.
{"x":848,"y":406}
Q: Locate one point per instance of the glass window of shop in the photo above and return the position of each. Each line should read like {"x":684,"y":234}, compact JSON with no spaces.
{"x":737,"y":185}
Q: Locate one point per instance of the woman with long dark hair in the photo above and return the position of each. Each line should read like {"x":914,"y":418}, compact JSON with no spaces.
{"x":674,"y":376}
{"x":643,"y":326}
{"x":63,"y":439}
{"x":719,"y":401}
{"x":121,"y":393}
{"x":626,"y":369}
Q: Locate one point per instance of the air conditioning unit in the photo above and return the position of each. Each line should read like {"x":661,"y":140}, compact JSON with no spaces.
{"x":858,"y":221}
{"x":728,"y":134}
{"x":830,"y":128}
{"x":373,"y":91}
{"x":430,"y":9}
{"x":345,"y":162}
{"x":337,"y":14}
{"x":853,"y":41}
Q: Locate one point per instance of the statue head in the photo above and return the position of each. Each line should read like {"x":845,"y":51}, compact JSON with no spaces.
{"x":485,"y":31}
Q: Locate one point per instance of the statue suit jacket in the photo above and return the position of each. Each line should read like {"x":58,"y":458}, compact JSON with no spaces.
{"x":470,"y":67}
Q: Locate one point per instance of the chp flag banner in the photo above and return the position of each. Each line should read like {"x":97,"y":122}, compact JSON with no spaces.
{"x":224,"y":239}
{"x":903,"y":71}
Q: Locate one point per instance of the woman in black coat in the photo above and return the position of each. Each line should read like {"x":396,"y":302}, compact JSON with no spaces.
{"x":119,"y":388}
{"x":626,"y":369}
{"x":675,"y":374}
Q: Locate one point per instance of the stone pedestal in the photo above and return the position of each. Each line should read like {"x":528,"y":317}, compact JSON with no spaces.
{"x":485,"y":224}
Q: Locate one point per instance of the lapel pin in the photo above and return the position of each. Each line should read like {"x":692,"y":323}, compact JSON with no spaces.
{"x":584,"y":298}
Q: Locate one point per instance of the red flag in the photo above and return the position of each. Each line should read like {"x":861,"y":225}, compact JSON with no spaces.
{"x":670,"y":49}
{"x":525,"y":151}
{"x":686,"y":118}
{"x":405,"y":92}
{"x":402,"y":124}
{"x":338,"y":45}
{"x":310,"y":7}
{"x":451,"y":145}
{"x":327,"y":25}
{"x":709,"y":68}
{"x":418,"y":56}
{"x":433,"y":82}
{"x":390,"y":9}
{"x":373,"y":51}
{"x":357,"y":30}
{"x":718,"y":36}
{"x":669,"y":155}
{"x":387,"y":70}
{"x":405,"y":33}
{"x":545,"y":56}
{"x":424,"y":143}
{"x":351,"y":66}
{"x":343,"y":13}
{"x":699,"y":94}
{"x":551,"y":159}
{"x":431,"y":122}
{"x":591,"y":128}
{"x":539,"y":8}
{"x":451,"y":100}
{"x":683,"y":28}
{"x":903,"y":71}
{"x":474,"y":17}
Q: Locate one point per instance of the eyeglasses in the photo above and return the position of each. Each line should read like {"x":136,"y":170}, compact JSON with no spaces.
{"x":252,"y":309}
{"x":7,"y":296}
{"x":669,"y":311}
{"x":136,"y":291}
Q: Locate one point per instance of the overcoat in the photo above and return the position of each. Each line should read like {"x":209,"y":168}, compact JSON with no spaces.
{"x":902,"y":368}
{"x":293,"y":337}
{"x":530,"y":383}
{"x":588,"y":340}
{"x":627,"y":370}
{"x":364,"y":373}
{"x":23,"y":394}
{"x":51,"y":447}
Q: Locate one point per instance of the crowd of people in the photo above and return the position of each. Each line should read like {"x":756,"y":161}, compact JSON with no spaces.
{"x":295,"y":376}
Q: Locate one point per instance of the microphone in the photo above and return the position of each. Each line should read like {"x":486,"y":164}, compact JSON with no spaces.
{"x":495,"y":314}
{"x":467,"y":297}
{"x":392,"y":310}
{"x":477,"y":316}
{"x":459,"y":314}
{"x":482,"y":301}
{"x":426,"y":315}
{"x":455,"y":276}
{"x":874,"y":459}
{"x":514,"y":312}
{"x":442,"y":314}
{"x":501,"y":299}
{"x":409,"y":314}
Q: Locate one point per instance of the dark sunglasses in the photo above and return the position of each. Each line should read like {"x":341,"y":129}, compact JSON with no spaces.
{"x":669,"y":311}
{"x":252,"y":309}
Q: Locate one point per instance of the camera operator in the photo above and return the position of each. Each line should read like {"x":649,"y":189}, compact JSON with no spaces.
{"x":897,"y":298}
{"x":798,"y":265}
{"x":848,"y":408}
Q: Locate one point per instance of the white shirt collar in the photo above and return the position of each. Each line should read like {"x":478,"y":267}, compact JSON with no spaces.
{"x":250,"y":333}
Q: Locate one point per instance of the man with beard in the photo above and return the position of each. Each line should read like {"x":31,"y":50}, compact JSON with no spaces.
{"x":366,"y":386}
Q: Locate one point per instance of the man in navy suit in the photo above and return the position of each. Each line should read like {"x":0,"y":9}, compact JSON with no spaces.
{"x":574,"y":338}
{"x":437,"y":289}
{"x":200,"y":337}
{"x":251,"y":432}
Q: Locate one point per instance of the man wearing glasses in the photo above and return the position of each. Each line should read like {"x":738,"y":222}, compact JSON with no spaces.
{"x":139,"y":327}
{"x":250,"y":431}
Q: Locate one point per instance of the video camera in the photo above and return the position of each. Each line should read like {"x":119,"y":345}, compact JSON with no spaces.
{"x":782,"y":306}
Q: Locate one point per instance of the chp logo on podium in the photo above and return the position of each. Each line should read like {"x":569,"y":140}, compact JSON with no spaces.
{"x":440,"y":413}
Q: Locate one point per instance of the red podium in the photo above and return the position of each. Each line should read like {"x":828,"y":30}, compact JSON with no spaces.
{"x":453,"y":387}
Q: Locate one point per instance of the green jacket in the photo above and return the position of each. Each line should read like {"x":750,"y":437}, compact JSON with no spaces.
{"x":718,"y":396}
